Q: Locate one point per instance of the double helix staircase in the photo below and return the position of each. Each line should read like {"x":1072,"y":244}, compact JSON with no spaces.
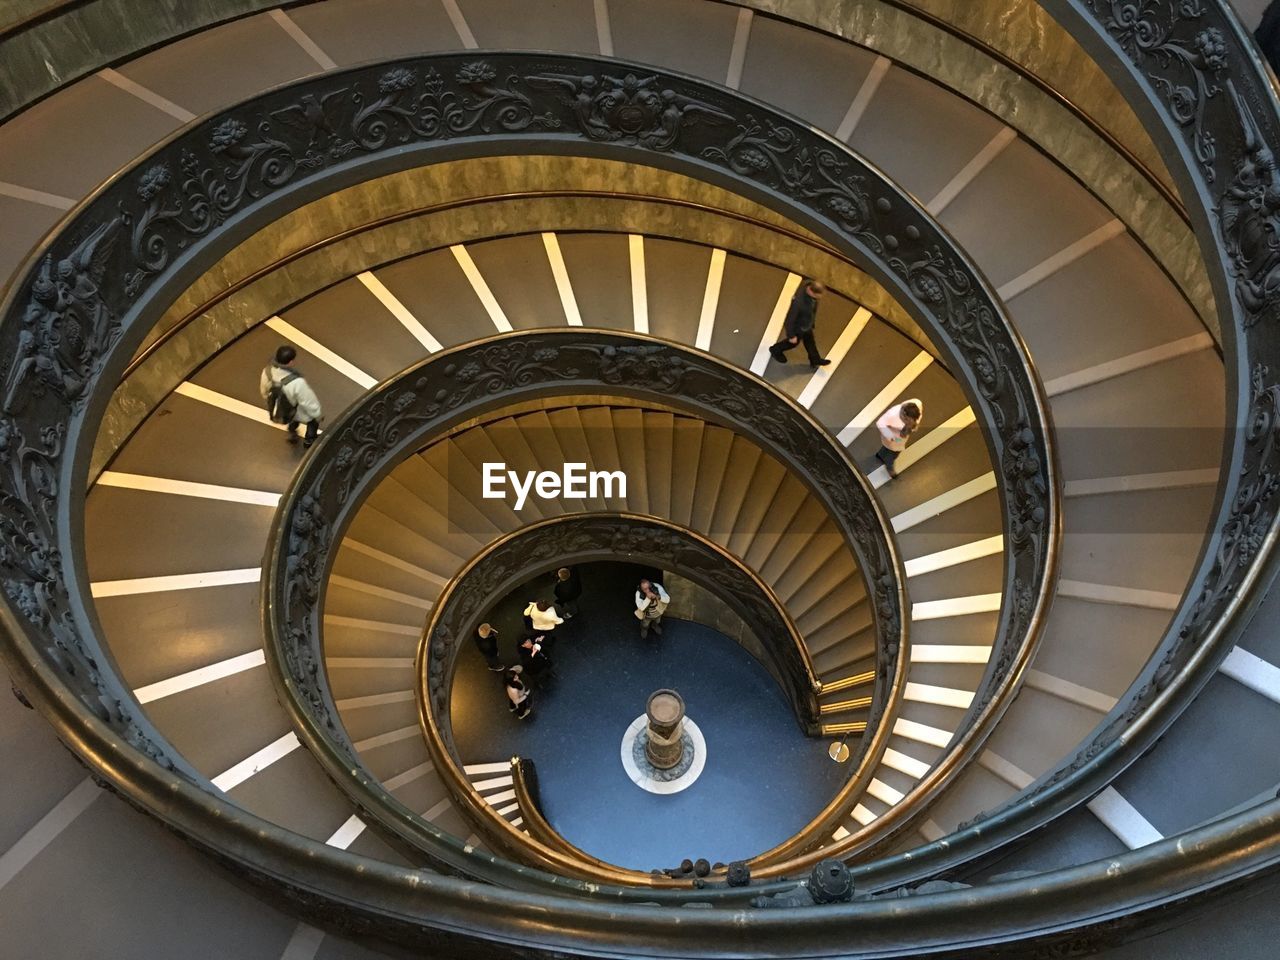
{"x":176,"y":527}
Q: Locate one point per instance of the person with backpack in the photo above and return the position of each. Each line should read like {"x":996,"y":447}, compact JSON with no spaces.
{"x":289,"y":397}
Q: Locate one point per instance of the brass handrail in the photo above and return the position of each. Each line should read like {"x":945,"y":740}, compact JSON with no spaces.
{"x":795,"y":236}
{"x":1166,"y":191}
{"x":524,"y":782}
{"x":435,"y":728}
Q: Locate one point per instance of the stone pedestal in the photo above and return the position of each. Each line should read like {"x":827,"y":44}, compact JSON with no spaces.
{"x":664,"y":743}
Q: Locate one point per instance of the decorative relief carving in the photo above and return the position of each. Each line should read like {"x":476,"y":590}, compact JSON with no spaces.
{"x":64,"y":324}
{"x":628,"y":109}
{"x":67,"y":325}
{"x":402,"y":415}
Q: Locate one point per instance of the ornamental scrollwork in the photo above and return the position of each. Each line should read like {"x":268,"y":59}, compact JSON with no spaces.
{"x":630,"y":109}
{"x":81,"y":308}
{"x":412,"y":104}
{"x":776,"y":154}
{"x":67,"y":326}
{"x":1183,"y":65}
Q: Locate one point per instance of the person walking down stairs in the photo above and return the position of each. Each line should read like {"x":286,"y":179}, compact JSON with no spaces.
{"x":289,"y":397}
{"x":896,"y":425}
{"x":651,"y":604}
{"x":798,"y":327}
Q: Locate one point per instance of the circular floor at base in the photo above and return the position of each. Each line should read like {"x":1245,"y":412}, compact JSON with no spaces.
{"x":763,"y":778}
{"x":641,"y":772}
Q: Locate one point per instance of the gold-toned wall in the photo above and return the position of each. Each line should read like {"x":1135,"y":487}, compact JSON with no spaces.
{"x":1025,"y":33}
{"x":620,"y":197}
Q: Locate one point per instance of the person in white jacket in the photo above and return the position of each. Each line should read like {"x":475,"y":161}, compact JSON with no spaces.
{"x":651,"y":604}
{"x":289,"y":397}
{"x":896,"y":425}
{"x":541,"y":616}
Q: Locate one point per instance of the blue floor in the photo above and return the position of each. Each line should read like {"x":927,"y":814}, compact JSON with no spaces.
{"x":763,"y":780}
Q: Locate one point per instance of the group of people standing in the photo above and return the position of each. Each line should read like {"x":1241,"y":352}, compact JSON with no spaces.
{"x":541,"y":618}
{"x":896,"y":424}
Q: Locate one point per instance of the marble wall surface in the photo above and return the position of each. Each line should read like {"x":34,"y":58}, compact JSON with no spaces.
{"x":41,"y":58}
{"x":1024,"y":32}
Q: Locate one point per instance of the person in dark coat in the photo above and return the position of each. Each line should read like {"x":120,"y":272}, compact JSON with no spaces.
{"x":533,"y":655}
{"x":798,"y":327}
{"x":487,"y":644}
{"x":568,"y":590}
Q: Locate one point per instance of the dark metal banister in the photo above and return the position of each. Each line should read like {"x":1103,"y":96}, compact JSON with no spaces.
{"x":92,"y":290}
{"x":285,"y":260}
{"x":578,"y":538}
{"x":452,"y":387}
{"x":1195,"y":76}
{"x":524,"y":781}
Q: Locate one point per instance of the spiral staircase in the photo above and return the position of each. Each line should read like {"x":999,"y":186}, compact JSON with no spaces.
{"x":1061,"y":684}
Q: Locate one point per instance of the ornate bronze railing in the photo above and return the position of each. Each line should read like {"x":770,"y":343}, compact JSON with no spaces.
{"x":207,"y":185}
{"x":583,"y":538}
{"x":524,"y":781}
{"x":402,"y":415}
{"x":87,"y":298}
{"x":1197,"y":80}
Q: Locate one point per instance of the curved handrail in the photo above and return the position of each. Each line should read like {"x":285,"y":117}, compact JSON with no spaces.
{"x":293,"y":256}
{"x":524,"y":781}
{"x":459,"y":384}
{"x":108,"y":271}
{"x":1126,"y":153}
{"x":1194,"y":72}
{"x":571,"y":539}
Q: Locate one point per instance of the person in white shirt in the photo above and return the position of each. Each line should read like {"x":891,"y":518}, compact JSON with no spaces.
{"x":895,"y":426}
{"x":541,"y":616}
{"x":651,"y":604}
{"x":289,"y":397}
